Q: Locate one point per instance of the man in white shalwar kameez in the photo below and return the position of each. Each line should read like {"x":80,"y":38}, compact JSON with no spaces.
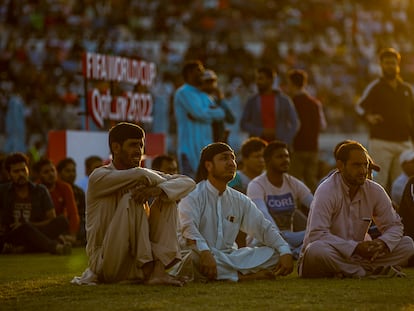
{"x":126,"y":239}
{"x":211,"y":217}
{"x":344,"y":205}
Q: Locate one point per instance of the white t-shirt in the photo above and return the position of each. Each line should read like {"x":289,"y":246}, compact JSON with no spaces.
{"x":279,"y":204}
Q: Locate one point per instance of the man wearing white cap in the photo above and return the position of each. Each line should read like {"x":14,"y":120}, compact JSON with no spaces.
{"x":407,"y":166}
{"x":194,"y":113}
{"x":210,"y":86}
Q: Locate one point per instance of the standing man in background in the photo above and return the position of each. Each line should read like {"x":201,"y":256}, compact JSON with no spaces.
{"x":194,"y":112}
{"x":387,"y":105}
{"x":270,"y":114}
{"x":305,"y":160}
{"x":210,"y":86}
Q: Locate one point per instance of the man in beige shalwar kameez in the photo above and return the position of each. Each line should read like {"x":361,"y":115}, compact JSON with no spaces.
{"x":341,"y":212}
{"x":127,"y":239}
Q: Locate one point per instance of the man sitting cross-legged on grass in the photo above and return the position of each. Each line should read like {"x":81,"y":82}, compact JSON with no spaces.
{"x":126,"y":239}
{"x":340,"y":215}
{"x":28,"y":221}
{"x":211,"y":217}
{"x":279,"y":196}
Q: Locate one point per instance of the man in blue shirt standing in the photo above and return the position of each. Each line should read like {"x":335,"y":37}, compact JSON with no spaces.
{"x":194,"y":113}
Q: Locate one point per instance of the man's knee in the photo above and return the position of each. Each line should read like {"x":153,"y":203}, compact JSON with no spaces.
{"x":407,"y":245}
{"x":317,"y":251}
{"x":315,"y":260}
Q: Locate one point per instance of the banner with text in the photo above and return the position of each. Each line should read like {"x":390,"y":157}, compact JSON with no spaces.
{"x":117,"y":88}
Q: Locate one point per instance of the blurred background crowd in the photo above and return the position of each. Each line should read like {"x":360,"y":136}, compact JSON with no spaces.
{"x":336,"y":41}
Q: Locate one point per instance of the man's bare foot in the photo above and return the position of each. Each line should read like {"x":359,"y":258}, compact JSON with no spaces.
{"x":158,"y":276}
{"x":260,"y":275}
{"x":165,"y":280}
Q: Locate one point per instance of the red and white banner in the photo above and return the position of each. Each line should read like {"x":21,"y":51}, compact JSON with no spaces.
{"x":132,"y":106}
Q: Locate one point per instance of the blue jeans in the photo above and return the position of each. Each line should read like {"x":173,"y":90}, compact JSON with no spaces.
{"x":295,"y":241}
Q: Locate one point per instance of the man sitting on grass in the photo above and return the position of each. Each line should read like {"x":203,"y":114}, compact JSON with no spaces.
{"x":211,"y":217}
{"x":280,"y":195}
{"x":126,"y":239}
{"x":28,"y":221}
{"x":341,"y":212}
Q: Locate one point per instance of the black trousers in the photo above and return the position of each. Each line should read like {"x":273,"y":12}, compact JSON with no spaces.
{"x":35,"y":239}
{"x":58,"y":226}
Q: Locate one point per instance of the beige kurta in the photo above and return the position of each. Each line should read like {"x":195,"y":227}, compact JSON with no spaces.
{"x":337,"y":223}
{"x":121,"y":237}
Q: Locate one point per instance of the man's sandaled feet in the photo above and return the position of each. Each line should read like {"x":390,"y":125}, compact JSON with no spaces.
{"x":387,"y":272}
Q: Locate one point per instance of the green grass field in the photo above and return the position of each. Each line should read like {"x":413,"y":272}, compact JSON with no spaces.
{"x":42,"y":282}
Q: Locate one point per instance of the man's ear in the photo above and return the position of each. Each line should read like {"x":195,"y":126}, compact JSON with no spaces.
{"x":208,"y":165}
{"x":115,"y":147}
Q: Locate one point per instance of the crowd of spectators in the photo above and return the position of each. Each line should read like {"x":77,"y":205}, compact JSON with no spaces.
{"x":336,"y":41}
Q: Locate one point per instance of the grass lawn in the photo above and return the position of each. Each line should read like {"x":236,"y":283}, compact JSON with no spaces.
{"x":42,"y":282}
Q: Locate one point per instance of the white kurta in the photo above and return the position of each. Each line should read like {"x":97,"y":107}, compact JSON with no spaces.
{"x":214,"y":220}
{"x":120,"y":237}
{"x":278,"y":204}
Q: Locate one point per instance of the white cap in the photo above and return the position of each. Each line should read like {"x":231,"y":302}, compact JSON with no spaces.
{"x":209,"y":75}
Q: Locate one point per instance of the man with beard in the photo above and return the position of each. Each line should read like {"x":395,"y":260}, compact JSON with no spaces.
{"x":127,"y":240}
{"x":194,"y":112}
{"x":281,"y":196}
{"x":387,"y":105}
{"x":28,"y":220}
{"x":344,"y":205}
{"x":211,"y":217}
{"x":62,"y":196}
{"x":270,"y":114}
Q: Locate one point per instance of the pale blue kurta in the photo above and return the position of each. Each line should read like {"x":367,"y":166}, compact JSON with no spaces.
{"x":194,"y":112}
{"x":214,"y":220}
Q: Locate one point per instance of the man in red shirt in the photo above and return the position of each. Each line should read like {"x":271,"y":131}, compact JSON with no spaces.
{"x":270,"y":114}
{"x":62,"y":196}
